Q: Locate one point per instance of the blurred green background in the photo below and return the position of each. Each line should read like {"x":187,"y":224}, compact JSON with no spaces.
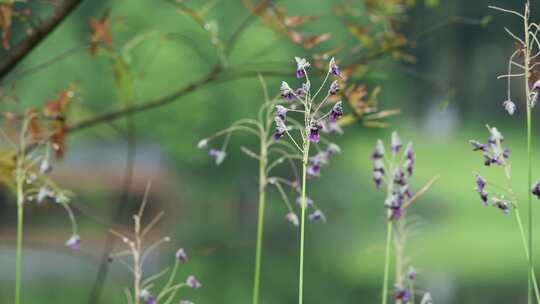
{"x":466,"y":253}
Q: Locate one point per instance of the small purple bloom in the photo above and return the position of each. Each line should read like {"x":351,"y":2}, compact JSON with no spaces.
{"x":309,"y":201}
{"x":292,"y":218}
{"x":399,"y":177}
{"x":147,"y":297}
{"x":480,"y":183}
{"x":395,"y":213}
{"x":336,"y":112}
{"x":402,"y":294}
{"x":536,"y":189}
{"x":333,"y":149}
{"x":334,"y":88}
{"x":74,"y":242}
{"x":317,"y":215}
{"x":411,"y":274}
{"x":334,"y":69}
{"x":313,"y":170}
{"x":181,"y":255}
{"x":281,"y":129}
{"x":314,"y":135}
{"x":409,"y":159}
{"x":396,"y":143}
{"x":286,"y":91}
{"x":503,"y":206}
{"x":301,"y":66}
{"x":217,"y":155}
{"x":281,"y":112}
{"x":378,"y":153}
{"x":477,"y":146}
{"x":192,"y":282}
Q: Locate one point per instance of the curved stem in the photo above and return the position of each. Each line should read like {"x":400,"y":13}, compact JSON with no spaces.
{"x":260,"y":220}
{"x":387,"y":262}
{"x":20,"y":225}
{"x":526,"y":248}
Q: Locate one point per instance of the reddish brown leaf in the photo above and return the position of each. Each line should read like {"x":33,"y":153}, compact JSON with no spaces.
{"x":5,"y":24}
{"x":100,"y":35}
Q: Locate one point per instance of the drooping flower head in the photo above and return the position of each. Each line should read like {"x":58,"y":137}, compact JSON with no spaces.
{"x":336,"y":112}
{"x":286,"y":91}
{"x":536,"y":189}
{"x":281,"y":112}
{"x":301,"y":66}
{"x":74,"y":242}
{"x":334,"y":88}
{"x":314,"y":135}
{"x":509,"y":106}
{"x":493,"y":151}
{"x":334,"y":69}
{"x":481,"y":188}
{"x":192,"y":282}
{"x":181,"y":255}
{"x":292,"y":218}
{"x":317,"y":215}
{"x":217,"y":155}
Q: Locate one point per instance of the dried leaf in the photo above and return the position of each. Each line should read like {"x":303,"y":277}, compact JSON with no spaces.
{"x":101,"y":34}
{"x":314,"y":40}
{"x":294,"y":21}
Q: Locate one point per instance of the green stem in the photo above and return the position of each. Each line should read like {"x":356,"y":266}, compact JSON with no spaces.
{"x":524,"y":240}
{"x":302,"y":220}
{"x":387,"y":262}
{"x":260,"y":221}
{"x":20,"y":225}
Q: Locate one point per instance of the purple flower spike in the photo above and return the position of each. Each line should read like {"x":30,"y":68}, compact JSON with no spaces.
{"x":292,"y":218}
{"x":409,"y":159}
{"x":301,"y":66}
{"x":192,"y":282}
{"x":314,"y":135}
{"x":336,"y":113}
{"x":396,"y":143}
{"x":181,"y":255}
{"x":317,"y":215}
{"x":217,"y":155}
{"x":402,"y":294}
{"x":74,"y":242}
{"x":334,"y":88}
{"x":334,"y":69}
{"x":509,"y":106}
{"x":536,"y":189}
{"x":395,"y":213}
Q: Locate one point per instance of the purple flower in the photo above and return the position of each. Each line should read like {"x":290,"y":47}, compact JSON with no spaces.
{"x":477,"y":146}
{"x":480,"y":183}
{"x":334,"y":69}
{"x":336,"y":112}
{"x":281,"y":129}
{"x":503,"y":206}
{"x":147,"y":297}
{"x":313,"y":170}
{"x":536,"y":86}
{"x":292,"y":218}
{"x":378,"y":153}
{"x":333,"y":149}
{"x":409,"y":159}
{"x":286,"y":91}
{"x":281,"y":112}
{"x":192,"y":282}
{"x":411,"y":274}
{"x":301,"y":66}
{"x":536,"y":189}
{"x":74,"y":242}
{"x":317,"y":215}
{"x":395,"y":213}
{"x":331,"y":127}
{"x":402,"y":294}
{"x":509,"y":106}
{"x":314,"y":135}
{"x":396,"y":143}
{"x":217,"y":155}
{"x":399,"y":177}
{"x":378,"y":178}
{"x":181,"y":255}
{"x":334,"y":88}
{"x":309,"y":201}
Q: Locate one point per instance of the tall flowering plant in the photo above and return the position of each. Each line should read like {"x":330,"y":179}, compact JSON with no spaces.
{"x":273,"y":153}
{"x":392,"y":173}
{"x":314,"y":116}
{"x":501,"y":196}
{"x":522,"y":64}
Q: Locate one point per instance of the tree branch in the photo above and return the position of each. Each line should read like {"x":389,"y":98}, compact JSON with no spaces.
{"x":38,"y":34}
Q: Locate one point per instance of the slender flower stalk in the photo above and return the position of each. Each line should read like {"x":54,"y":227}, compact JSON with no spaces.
{"x":529,"y":50}
{"x":395,"y":173}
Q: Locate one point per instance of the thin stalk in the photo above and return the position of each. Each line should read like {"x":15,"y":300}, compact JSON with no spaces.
{"x":20,"y":226}
{"x":524,"y":240}
{"x":387,"y":262}
{"x":303,"y":216}
{"x":260,"y":221}
{"x":529,"y":148}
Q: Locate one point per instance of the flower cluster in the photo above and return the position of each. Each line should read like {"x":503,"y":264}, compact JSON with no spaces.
{"x":493,"y":151}
{"x":401,"y":169}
